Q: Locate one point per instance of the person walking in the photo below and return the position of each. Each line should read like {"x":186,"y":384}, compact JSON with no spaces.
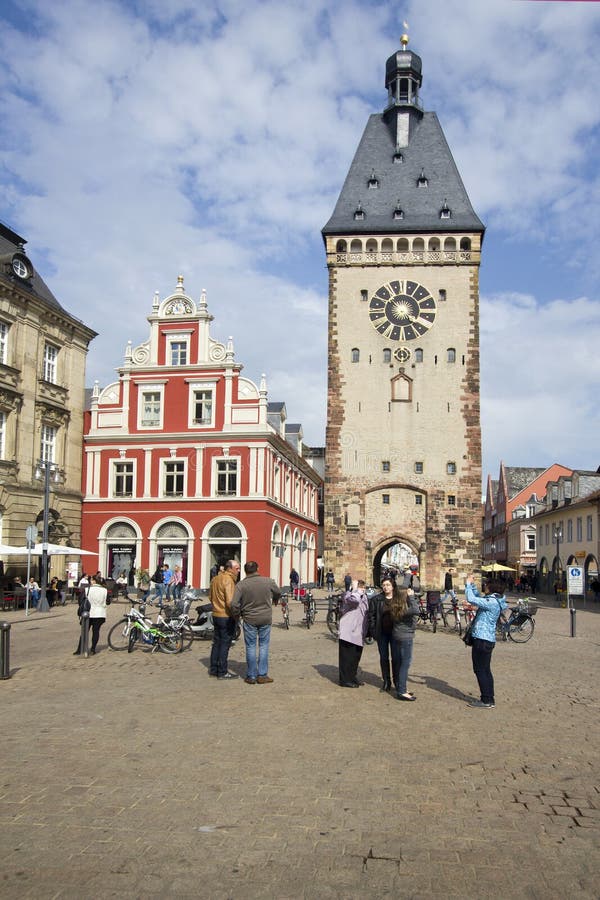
{"x":449,"y":585}
{"x":352,"y":632}
{"x":253,"y":600}
{"x":489,"y":608}
{"x":381,"y":625}
{"x":176,"y":583}
{"x":294,"y":582}
{"x":403,"y":606}
{"x":330,"y":581}
{"x":94,"y":601}
{"x":221,"y":591}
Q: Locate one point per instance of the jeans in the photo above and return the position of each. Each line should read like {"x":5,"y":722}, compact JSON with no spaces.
{"x":252,"y":633}
{"x":384,"y":644}
{"x":222,"y":637}
{"x":401,"y":660}
{"x":481,"y":656}
{"x":159,"y":593}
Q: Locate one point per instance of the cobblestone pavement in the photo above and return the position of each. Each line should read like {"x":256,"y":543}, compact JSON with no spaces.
{"x":137,"y":775}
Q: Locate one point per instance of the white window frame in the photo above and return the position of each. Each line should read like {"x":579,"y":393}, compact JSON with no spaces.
{"x":50,"y":363}
{"x":115,"y":474}
{"x":196,"y":387}
{"x":215,"y":481}
{"x":181,"y":464}
{"x":4,"y":332}
{"x":48,"y":437}
{"x":145,"y":388}
{"x":177,"y":337}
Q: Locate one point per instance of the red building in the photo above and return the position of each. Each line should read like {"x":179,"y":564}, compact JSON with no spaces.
{"x":185,"y":464}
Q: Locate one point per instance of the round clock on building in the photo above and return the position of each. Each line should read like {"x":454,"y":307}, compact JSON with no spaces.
{"x":402,"y":310}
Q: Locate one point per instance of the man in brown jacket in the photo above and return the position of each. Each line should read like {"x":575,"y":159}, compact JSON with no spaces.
{"x":221,"y":592}
{"x":253,"y":600}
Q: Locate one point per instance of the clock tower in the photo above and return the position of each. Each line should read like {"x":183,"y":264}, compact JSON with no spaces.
{"x":403,"y":459}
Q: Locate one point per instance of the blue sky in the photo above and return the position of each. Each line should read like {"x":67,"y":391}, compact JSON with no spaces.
{"x":145,"y":139}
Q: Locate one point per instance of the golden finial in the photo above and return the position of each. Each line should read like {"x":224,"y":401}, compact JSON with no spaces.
{"x":179,"y":283}
{"x":404,"y":36}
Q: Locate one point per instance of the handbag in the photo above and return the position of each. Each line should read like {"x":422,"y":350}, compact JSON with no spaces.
{"x":468,"y":635}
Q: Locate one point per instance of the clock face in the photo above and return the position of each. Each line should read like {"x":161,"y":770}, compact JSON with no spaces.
{"x":402,"y":310}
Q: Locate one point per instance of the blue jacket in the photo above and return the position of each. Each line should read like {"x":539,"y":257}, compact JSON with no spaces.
{"x":489,"y":608}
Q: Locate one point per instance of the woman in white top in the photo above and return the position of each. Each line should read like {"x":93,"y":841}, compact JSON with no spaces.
{"x":96,"y":606}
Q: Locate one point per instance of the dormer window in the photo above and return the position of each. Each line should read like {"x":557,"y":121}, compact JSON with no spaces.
{"x":422,"y":179}
{"x":359,"y":213}
{"x":445,"y":211}
{"x":398,"y":158}
{"x":373,"y":182}
{"x":398,"y":211}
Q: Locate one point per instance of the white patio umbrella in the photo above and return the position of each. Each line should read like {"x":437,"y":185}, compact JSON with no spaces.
{"x":60,"y":550}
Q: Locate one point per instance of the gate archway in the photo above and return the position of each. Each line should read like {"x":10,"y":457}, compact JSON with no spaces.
{"x":393,"y":553}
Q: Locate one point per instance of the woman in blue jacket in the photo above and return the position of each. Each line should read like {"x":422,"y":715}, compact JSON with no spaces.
{"x":488,"y":609}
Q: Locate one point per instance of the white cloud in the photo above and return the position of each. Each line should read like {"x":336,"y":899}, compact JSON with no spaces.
{"x":146,"y":139}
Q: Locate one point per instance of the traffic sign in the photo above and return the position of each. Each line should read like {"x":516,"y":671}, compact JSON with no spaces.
{"x":575,"y":580}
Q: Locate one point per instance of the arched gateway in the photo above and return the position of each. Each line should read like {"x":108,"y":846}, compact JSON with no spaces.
{"x":393,"y":553}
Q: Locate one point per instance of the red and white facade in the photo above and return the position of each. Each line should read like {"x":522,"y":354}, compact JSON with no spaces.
{"x":182,"y":466}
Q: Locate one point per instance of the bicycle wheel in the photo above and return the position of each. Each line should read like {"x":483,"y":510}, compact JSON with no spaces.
{"x":118,"y":636}
{"x":187,"y":636}
{"x":521,"y":630}
{"x":332,"y":622}
{"x":433,"y":620}
{"x":312,"y":613}
{"x":443,"y":615}
{"x":170,"y":642}
{"x":133,"y":636}
{"x":456,"y":623}
{"x":307,"y":616}
{"x":286,"y":619}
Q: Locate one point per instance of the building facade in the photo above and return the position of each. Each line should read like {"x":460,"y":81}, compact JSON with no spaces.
{"x":43,"y":351}
{"x":511,"y":503}
{"x":184,"y":463}
{"x":403,"y":445}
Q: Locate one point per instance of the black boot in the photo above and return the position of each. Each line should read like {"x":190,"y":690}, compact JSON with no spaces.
{"x":386,"y":687}
{"x":385,"y":674}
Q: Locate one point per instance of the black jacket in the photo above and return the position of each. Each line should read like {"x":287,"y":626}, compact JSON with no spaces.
{"x":375,"y":615}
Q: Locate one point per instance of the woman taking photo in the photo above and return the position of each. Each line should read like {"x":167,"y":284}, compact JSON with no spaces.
{"x":380,"y":627}
{"x":488,"y":609}
{"x":353,"y":628}
{"x":403,"y":606}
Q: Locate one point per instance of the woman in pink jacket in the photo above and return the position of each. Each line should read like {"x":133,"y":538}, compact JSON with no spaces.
{"x":353,"y":627}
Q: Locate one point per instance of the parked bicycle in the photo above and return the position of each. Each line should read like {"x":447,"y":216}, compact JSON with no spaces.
{"x":158,"y":637}
{"x":310,"y":607}
{"x":334,"y":613}
{"x":453,"y":620}
{"x":520,"y":625}
{"x":118,"y":636}
{"x":285,"y":610}
{"x":166,"y":636}
{"x":431,"y":610}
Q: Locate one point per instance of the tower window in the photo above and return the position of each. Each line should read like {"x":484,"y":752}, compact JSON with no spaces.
{"x":422,"y":179}
{"x":442,"y":294}
{"x":419,"y":468}
{"x":451,"y":355}
{"x":398,"y":212}
{"x":385,"y":499}
{"x":385,"y":465}
{"x":418,"y":356}
{"x":398,"y":158}
{"x":387,"y":355}
{"x":364,"y":295}
{"x":418,"y":499}
{"x":451,"y":500}
{"x":355,"y":355}
{"x":451,"y":468}
{"x":359,"y":213}
{"x":445,"y":211}
{"x":373,"y":182}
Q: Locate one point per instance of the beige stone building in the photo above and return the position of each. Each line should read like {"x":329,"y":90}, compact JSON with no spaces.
{"x":403,"y":455}
{"x":43,"y":352}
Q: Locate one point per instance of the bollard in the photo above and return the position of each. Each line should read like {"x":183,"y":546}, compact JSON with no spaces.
{"x":4,"y":650}
{"x":85,"y":634}
{"x":573,"y":629}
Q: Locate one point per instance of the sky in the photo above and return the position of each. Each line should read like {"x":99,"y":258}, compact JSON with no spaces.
{"x":145,"y":139}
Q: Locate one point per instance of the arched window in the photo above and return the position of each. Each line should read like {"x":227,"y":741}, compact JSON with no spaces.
{"x":341,"y":246}
{"x":465,"y":243}
{"x":387,"y":245}
{"x":355,"y":355}
{"x":402,"y":245}
{"x":387,"y":355}
{"x":434,"y":244}
{"x":418,"y":356}
{"x":449,"y":244}
{"x":418,"y":245}
{"x":356,"y":246}
{"x":451,"y":355}
{"x":371,"y":245}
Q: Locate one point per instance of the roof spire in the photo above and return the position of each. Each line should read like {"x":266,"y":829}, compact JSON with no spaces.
{"x":404,"y":36}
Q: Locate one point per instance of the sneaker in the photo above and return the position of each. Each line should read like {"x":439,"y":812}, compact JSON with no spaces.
{"x":264,"y":679}
{"x":227,"y":675}
{"x":250,"y":680}
{"x":479,"y":704}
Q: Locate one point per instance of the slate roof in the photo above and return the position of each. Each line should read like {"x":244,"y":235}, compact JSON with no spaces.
{"x":518,"y":477}
{"x":11,"y":241}
{"x":427,"y":152}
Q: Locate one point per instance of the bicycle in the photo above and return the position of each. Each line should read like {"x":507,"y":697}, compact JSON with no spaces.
{"x":285,"y":609}
{"x":310,"y":608}
{"x":334,"y":614}
{"x":430,"y":610}
{"x":157,"y":636}
{"x":176,"y":617}
{"x":453,"y":620}
{"x":520,"y":625}
{"x":118,"y":636}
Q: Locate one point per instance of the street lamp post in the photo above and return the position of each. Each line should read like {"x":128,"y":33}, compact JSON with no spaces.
{"x":44,"y":469}
{"x":558,"y":536}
